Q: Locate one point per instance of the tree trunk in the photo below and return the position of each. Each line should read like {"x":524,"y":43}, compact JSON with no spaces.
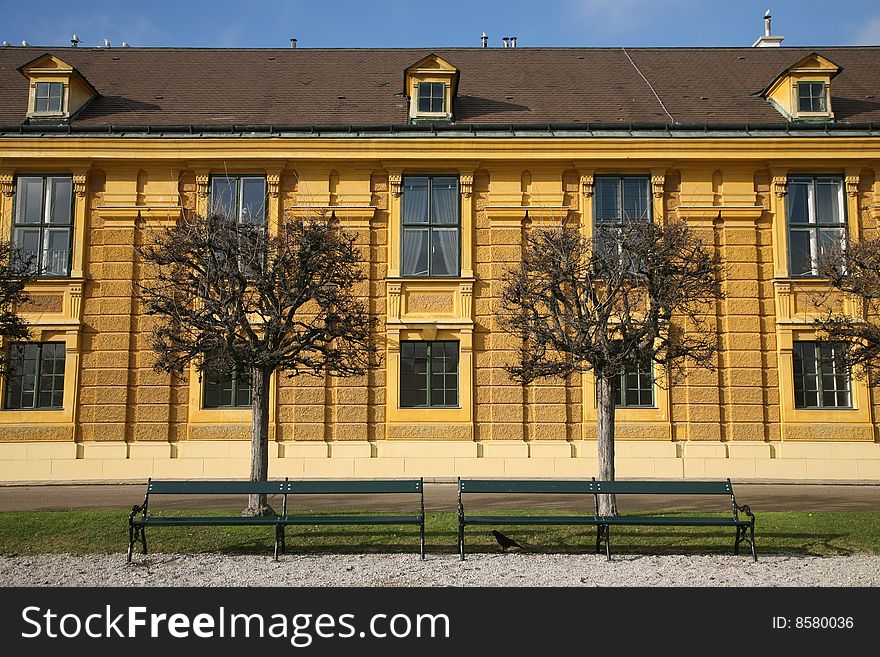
{"x":605,"y":417}
{"x":258,"y":504}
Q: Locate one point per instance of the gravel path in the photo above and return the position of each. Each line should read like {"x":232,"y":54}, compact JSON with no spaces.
{"x":438,"y":570}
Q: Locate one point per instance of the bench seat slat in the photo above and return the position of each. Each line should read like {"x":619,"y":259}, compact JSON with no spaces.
{"x":675,"y":520}
{"x":350,"y":520}
{"x":531,"y":520}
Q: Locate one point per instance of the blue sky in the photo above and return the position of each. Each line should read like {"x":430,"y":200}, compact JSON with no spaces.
{"x":407,"y":23}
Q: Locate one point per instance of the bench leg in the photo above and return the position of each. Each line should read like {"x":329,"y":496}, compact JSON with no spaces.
{"x":752,"y":541}
{"x":136,"y":534}
{"x":608,"y":542}
{"x":461,"y":541}
{"x":598,"y":538}
{"x":422,"y":539}
{"x":279,"y":530}
{"x":739,"y":538}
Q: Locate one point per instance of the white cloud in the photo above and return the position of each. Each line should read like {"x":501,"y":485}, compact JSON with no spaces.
{"x":869,"y":34}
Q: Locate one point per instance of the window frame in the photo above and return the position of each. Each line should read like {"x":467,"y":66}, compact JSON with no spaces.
{"x":429,"y":375}
{"x":823,"y":97}
{"x":820,"y":375}
{"x":239,"y":196}
{"x":430,"y":225}
{"x":813,"y":226}
{"x":235,"y":377}
{"x":621,"y":388}
{"x":597,"y":180}
{"x":45,"y":223}
{"x":48,"y":111}
{"x":431,"y":85}
{"x":37,"y":378}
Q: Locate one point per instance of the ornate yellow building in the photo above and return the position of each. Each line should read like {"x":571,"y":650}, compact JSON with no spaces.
{"x":437,"y":162}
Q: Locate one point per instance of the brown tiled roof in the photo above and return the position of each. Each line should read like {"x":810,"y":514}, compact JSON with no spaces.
{"x":362,"y":87}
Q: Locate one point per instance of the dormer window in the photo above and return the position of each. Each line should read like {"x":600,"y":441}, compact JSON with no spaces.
{"x":430,"y":86}
{"x":802,"y":92}
{"x":56,"y":90}
{"x":432,"y":96}
{"x":811,"y":97}
{"x":48,"y":97}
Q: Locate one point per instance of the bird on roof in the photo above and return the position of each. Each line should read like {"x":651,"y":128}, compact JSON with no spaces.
{"x":505,"y":541}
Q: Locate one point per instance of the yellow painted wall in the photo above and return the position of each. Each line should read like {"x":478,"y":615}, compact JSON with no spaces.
{"x":122,"y":420}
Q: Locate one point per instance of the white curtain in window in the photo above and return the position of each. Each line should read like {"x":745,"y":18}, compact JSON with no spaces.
{"x":415,"y":252}
{"x":445,"y":203}
{"x":415,"y":202}
{"x":445,"y":252}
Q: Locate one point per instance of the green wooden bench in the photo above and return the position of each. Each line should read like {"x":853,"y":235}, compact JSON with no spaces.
{"x":745,"y":527}
{"x":140,"y":518}
{"x":521,"y":486}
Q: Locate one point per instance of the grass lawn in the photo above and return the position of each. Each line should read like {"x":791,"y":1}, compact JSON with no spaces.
{"x":106,"y":531}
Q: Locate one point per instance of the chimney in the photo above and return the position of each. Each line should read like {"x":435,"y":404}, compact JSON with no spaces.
{"x":767,"y":40}
{"x":506,"y":41}
{"x":293,"y":43}
{"x":74,"y":41}
{"x":513,"y":42}
{"x":485,"y":40}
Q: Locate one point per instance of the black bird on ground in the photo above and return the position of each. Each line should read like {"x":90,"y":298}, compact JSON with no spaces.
{"x":505,"y":541}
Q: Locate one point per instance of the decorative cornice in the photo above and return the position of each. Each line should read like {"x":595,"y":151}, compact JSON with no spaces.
{"x":202,"y":180}
{"x":273,"y":182}
{"x":466,"y":181}
{"x":80,"y":181}
{"x":852,"y":185}
{"x":780,"y":186}
{"x":657,"y":182}
{"x":394,"y":182}
{"x":587,"y":185}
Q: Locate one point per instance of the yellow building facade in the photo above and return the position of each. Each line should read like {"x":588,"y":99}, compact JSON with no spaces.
{"x":753,"y":418}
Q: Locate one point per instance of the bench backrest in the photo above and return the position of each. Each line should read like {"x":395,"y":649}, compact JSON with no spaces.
{"x":212,"y":487}
{"x":284,"y":487}
{"x":353,"y":487}
{"x":665,"y":487}
{"x":583,"y":487}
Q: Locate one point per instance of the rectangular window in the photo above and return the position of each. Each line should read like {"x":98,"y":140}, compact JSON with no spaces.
{"x":43,"y":222}
{"x":821,"y":378}
{"x":429,"y":374}
{"x":48,"y":97}
{"x":431,"y":226}
{"x":816,"y":221}
{"x":231,"y":391}
{"x":635,"y":388}
{"x":36,"y":377}
{"x":811,"y":97}
{"x":432,"y":97}
{"x":242,"y":197}
{"x":618,"y":199}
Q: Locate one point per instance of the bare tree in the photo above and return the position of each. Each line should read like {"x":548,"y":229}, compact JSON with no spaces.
{"x":16,"y":271}
{"x":233,"y":297}
{"x":854,"y":270}
{"x":635,"y":293}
